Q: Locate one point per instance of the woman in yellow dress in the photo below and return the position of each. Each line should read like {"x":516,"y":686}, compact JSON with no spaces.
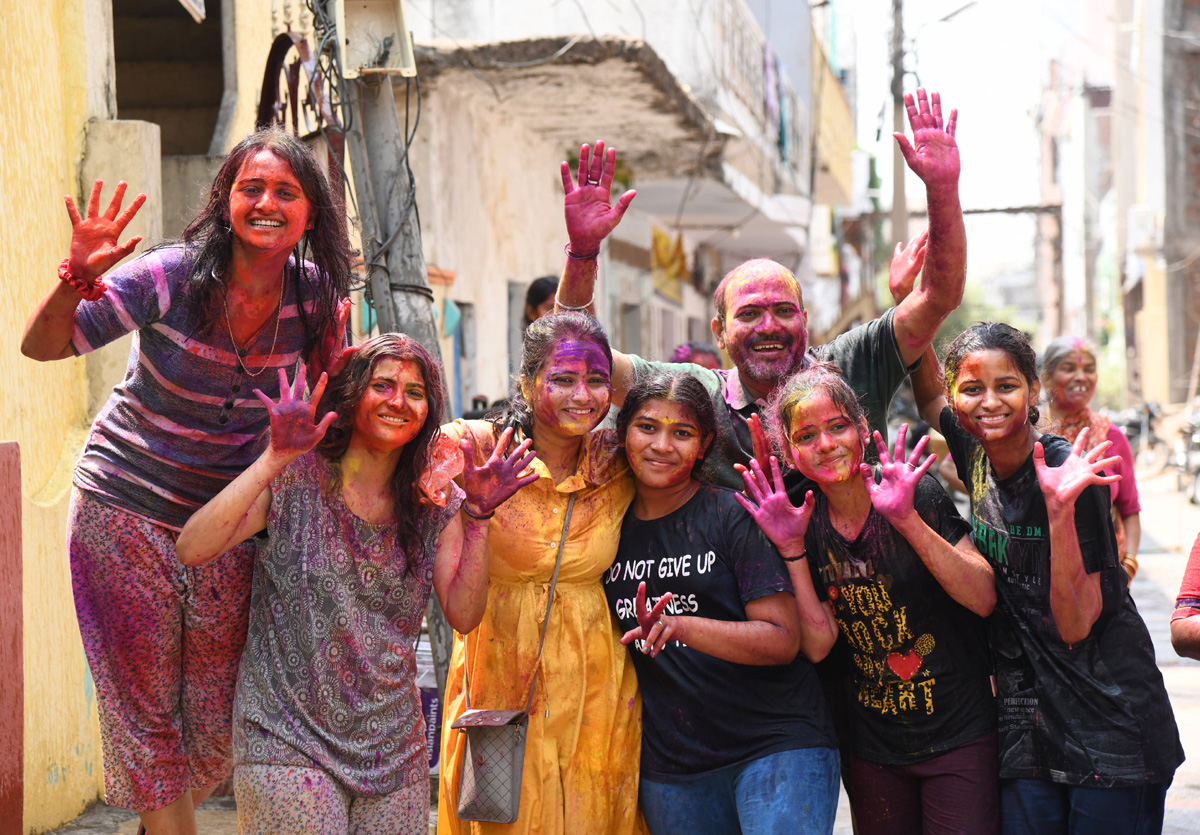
{"x":583,"y":748}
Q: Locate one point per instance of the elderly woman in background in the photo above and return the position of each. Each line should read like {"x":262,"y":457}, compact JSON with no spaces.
{"x":1069,"y":375}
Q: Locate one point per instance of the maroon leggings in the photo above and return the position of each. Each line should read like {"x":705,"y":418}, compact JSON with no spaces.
{"x":956,"y":793}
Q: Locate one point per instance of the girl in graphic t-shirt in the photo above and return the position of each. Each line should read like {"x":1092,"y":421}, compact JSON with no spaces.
{"x":735,"y":734}
{"x":1087,"y":738}
{"x":909,"y":590}
{"x":328,"y":731}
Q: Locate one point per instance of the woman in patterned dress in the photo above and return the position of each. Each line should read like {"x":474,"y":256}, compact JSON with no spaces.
{"x":328,"y":731}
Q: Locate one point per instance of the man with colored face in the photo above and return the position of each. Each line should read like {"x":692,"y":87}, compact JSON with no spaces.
{"x":760,"y":316}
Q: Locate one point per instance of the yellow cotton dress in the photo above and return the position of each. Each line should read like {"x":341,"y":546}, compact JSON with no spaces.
{"x":583,"y":748}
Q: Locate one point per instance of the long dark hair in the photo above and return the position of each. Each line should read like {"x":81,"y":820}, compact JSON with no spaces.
{"x":823,"y":377}
{"x":540,"y":339}
{"x":539,"y":290}
{"x":343,"y":395}
{"x":672,"y":387}
{"x":209,"y":239}
{"x":988,"y":336}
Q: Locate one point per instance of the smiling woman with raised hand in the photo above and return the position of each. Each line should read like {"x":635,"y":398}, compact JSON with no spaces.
{"x":584,"y":732}
{"x":328,"y":731}
{"x":736,"y":736}
{"x":258,"y":283}
{"x":895,"y":563}
{"x":1069,"y":376}
{"x":1087,"y":738}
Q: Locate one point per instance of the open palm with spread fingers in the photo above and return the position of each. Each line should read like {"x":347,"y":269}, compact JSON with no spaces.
{"x":906,"y":265}
{"x":654,"y":628}
{"x":767,"y":501}
{"x":587,"y":204}
{"x":1062,"y":485}
{"x":893,"y":496}
{"x":933,"y":153}
{"x":494,"y":483}
{"x":293,"y":427}
{"x":95,"y":246}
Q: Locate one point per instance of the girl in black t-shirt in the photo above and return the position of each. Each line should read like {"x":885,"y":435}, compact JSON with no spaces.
{"x":1087,"y":739}
{"x":909,"y":590}
{"x":736,"y":736}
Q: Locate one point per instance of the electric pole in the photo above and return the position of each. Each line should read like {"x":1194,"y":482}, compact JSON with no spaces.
{"x":396,"y":273}
{"x":899,"y":167}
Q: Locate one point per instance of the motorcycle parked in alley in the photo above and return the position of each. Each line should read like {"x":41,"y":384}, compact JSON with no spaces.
{"x":1151,"y":454}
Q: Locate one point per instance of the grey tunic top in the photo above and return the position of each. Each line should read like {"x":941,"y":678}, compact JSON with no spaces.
{"x":328,"y":675}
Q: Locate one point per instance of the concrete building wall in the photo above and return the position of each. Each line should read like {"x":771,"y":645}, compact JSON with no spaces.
{"x":491,"y":211}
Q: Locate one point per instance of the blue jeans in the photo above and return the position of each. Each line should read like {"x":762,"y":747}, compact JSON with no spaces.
{"x":1029,"y":807}
{"x":789,"y":793}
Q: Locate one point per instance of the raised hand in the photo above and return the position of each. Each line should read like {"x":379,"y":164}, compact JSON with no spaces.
{"x":491,"y":485}
{"x":768,"y":502}
{"x":587,"y":204}
{"x":907,"y":262}
{"x":293,"y":431}
{"x":933,"y":153}
{"x":94,"y":239}
{"x":334,"y":352}
{"x":893,"y":495}
{"x":762,"y":447}
{"x":1062,"y":485}
{"x":654,"y":628}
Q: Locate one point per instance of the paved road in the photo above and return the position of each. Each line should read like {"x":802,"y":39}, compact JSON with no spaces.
{"x":1169,"y":524}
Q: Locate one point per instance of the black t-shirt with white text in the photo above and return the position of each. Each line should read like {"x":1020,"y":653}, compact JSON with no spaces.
{"x":701,"y":713}
{"x":919,"y":670}
{"x":1092,"y":713}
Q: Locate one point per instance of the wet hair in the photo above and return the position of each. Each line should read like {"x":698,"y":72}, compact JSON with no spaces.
{"x":992,"y":336}
{"x":346,"y":391}
{"x":1061,"y":348}
{"x":672,"y":387}
{"x":819,"y":378}
{"x":541,"y":338}
{"x":719,"y":302}
{"x":688,"y":350}
{"x":539,"y":290}
{"x":209,"y":240}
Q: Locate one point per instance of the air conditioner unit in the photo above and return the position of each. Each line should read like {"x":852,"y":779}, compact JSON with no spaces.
{"x":373,"y":37}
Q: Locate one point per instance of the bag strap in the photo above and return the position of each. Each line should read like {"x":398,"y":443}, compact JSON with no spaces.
{"x":562,"y":543}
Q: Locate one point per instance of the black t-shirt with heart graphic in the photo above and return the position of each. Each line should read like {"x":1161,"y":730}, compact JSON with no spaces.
{"x":919,"y":666}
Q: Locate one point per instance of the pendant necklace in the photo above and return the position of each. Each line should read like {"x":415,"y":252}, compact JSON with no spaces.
{"x":237,"y":352}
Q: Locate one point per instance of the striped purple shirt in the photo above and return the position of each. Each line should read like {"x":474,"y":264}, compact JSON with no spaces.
{"x":184,"y":422}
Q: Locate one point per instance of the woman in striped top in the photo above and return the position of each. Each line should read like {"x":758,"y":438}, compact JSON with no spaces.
{"x":257,"y":284}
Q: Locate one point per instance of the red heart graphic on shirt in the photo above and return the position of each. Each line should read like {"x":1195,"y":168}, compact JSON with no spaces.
{"x":905,"y":665}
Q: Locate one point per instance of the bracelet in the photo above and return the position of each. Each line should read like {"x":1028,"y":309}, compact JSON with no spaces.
{"x":803,"y":554}
{"x":574,"y":257}
{"x":572,"y":307}
{"x":479,"y":516}
{"x":90,"y":292}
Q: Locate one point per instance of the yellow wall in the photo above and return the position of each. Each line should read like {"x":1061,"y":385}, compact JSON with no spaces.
{"x":43,"y":405}
{"x":835,"y":134}
{"x":43,"y":116}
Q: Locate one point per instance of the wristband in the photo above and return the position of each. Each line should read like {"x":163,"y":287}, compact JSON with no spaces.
{"x":90,"y":292}
{"x":803,"y":554}
{"x":574,"y":257}
{"x":480,"y":516}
